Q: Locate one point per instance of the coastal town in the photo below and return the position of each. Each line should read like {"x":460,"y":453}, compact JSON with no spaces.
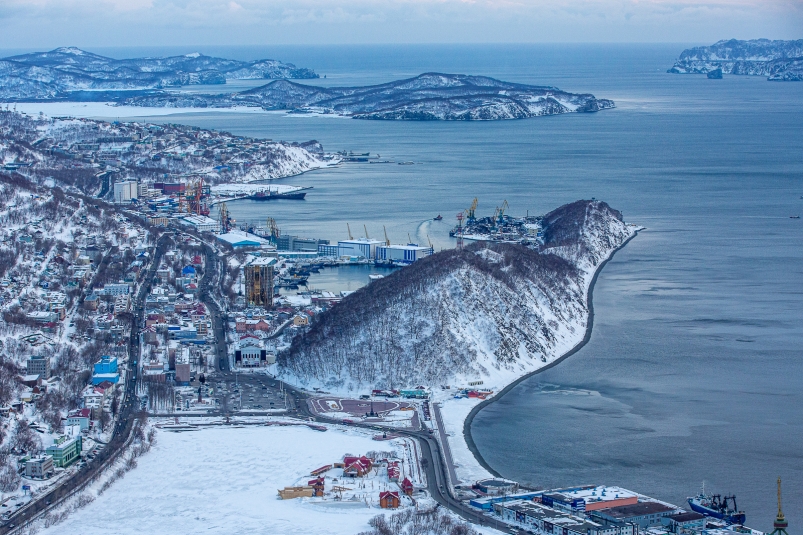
{"x":134,"y":307}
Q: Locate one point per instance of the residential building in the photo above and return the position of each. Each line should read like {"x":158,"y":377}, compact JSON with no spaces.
{"x":39,"y":467}
{"x":259,"y":282}
{"x":115,"y":289}
{"x":39,"y":365}
{"x":389,"y":499}
{"x":81,"y":418}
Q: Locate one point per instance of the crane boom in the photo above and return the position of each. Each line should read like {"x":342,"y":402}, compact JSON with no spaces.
{"x":387,"y":241}
{"x":349,"y":229}
{"x":366,"y":232}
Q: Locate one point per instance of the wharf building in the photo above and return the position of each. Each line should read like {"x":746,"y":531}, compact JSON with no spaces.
{"x":542,"y":520}
{"x":258,"y":276}
{"x":378,"y":251}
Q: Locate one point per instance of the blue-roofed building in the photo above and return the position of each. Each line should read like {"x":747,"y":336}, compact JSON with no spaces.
{"x":188,"y":271}
{"x":105,"y":370}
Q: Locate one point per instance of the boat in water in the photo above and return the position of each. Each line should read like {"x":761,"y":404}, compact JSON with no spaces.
{"x":717,"y":506}
{"x":440,"y":217}
{"x":270,"y":195}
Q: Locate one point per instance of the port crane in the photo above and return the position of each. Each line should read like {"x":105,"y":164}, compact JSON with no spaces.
{"x":274,"y":229}
{"x":472,"y":209}
{"x":349,"y":229}
{"x":780,"y":523}
{"x":366,"y":232}
{"x":387,"y":241}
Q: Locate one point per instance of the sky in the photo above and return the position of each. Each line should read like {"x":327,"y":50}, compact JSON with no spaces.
{"x":44,"y":24}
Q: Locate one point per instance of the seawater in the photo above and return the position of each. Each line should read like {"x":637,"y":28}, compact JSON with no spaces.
{"x":693,"y":371}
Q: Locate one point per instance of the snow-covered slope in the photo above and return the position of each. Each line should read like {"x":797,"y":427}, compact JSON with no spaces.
{"x":491,"y":312}
{"x":48,"y":75}
{"x":777,"y":60}
{"x":430,"y":96}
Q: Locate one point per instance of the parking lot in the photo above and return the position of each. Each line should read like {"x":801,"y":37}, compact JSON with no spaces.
{"x":246,"y":392}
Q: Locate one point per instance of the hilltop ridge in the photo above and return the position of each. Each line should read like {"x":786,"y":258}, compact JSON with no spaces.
{"x":428,"y":96}
{"x":493,"y":311}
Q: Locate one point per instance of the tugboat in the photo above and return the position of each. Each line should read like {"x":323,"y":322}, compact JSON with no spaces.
{"x":717,"y":506}
{"x":438,"y":218}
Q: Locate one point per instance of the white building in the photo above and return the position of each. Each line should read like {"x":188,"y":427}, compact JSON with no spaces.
{"x":402,"y":254}
{"x":202,"y":223}
{"x":125,"y":191}
{"x":114,"y":289}
{"x":361,"y":247}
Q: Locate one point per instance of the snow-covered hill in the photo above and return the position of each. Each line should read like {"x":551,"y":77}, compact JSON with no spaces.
{"x":777,"y":60}
{"x":49,"y":75}
{"x":430,"y":96}
{"x":490,"y":312}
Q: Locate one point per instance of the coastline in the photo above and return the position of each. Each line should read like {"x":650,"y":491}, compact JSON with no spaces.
{"x":469,"y":440}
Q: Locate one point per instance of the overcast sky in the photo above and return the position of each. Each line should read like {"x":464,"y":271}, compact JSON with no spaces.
{"x":44,"y":24}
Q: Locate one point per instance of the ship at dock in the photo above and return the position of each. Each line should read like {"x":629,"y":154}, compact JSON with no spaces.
{"x":717,"y":506}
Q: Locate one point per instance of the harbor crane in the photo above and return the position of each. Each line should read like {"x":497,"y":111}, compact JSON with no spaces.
{"x":387,"y":240}
{"x":504,"y":207}
{"x":780,"y":523}
{"x":274,"y":229}
{"x":349,"y":229}
{"x":472,"y":209}
{"x":366,"y":232}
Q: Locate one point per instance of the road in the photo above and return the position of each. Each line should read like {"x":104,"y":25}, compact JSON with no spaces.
{"x":445,"y":442}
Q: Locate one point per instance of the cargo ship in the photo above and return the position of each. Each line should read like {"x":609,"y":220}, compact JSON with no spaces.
{"x":717,"y":506}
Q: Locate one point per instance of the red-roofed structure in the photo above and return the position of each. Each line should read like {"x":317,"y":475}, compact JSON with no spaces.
{"x":389,"y":499}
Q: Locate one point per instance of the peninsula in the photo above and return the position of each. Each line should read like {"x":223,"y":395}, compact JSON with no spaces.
{"x":67,"y":73}
{"x":777,"y":60}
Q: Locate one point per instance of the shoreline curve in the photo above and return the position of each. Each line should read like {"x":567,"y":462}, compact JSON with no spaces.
{"x":589,"y":328}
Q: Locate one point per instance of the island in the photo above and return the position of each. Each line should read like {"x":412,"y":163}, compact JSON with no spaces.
{"x":427,"y":97}
{"x":68,"y":73}
{"x":777,"y":60}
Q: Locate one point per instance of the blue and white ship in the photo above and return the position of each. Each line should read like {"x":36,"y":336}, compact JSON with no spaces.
{"x":717,"y":506}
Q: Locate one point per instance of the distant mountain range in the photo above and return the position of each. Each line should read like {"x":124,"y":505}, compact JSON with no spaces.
{"x":429,"y":96}
{"x":54,"y":74}
{"x":777,"y":60}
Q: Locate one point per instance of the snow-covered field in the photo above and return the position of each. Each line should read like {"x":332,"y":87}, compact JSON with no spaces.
{"x":225,"y":480}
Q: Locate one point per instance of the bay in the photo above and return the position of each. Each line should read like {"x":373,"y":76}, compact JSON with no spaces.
{"x":693,"y":370}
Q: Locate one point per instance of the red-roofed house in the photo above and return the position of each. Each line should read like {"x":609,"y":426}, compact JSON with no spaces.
{"x":389,"y":499}
{"x":393,"y":470}
{"x":407,"y":487}
{"x":356,"y":467}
